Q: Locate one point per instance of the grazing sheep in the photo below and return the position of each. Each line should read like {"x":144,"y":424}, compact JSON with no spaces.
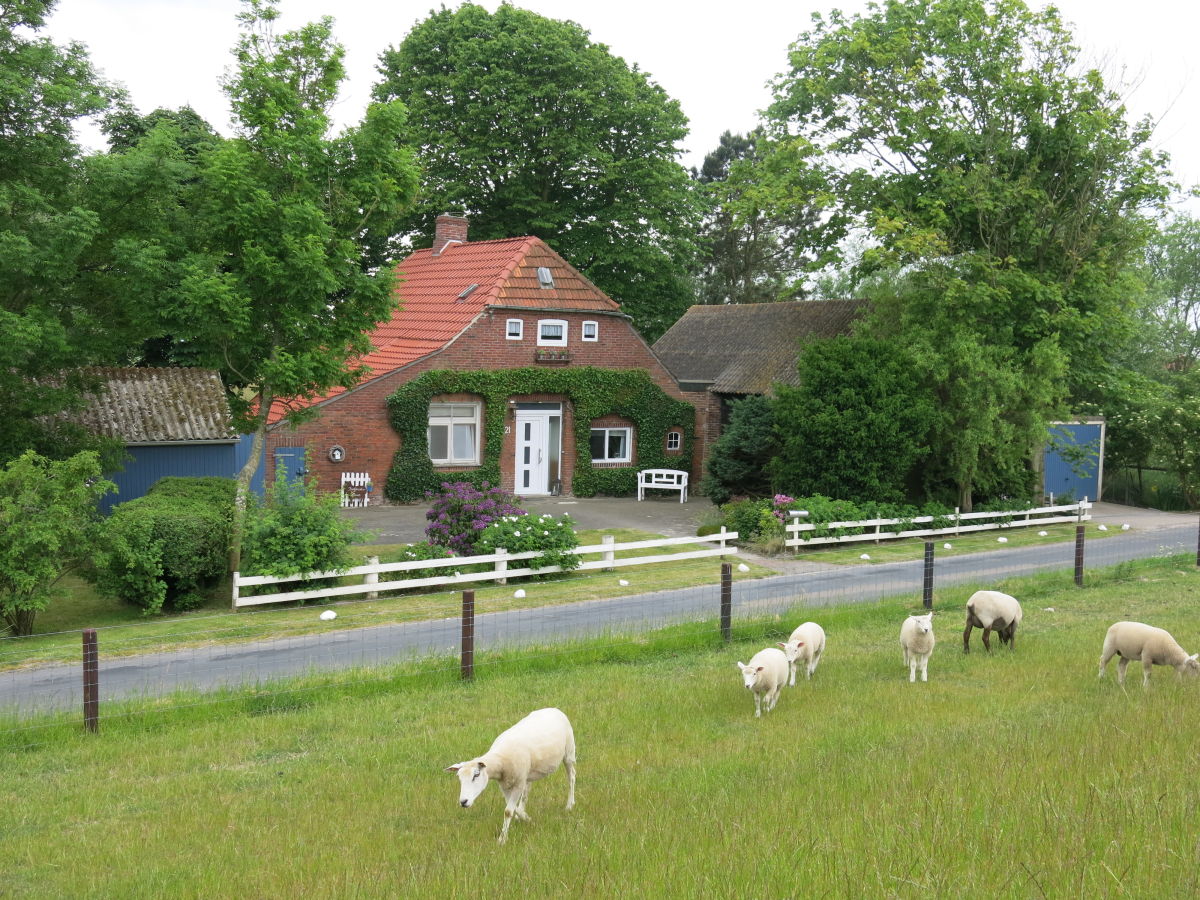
{"x":526,"y":752}
{"x":765,"y":674}
{"x":806,"y":645}
{"x":1153,"y":646}
{"x":992,"y":611}
{"x":916,"y":640}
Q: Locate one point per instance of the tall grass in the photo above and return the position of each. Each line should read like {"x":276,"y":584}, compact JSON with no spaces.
{"x":1016,"y":774}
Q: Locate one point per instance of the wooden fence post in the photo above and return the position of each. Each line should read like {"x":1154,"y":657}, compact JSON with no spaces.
{"x":501,"y":565}
{"x":372,"y":577}
{"x":1079,"y":531}
{"x":91,"y":681}
{"x":1198,"y":547}
{"x":726,"y":601}
{"x":927,"y":581}
{"x":610,"y":555}
{"x":467,"y":664}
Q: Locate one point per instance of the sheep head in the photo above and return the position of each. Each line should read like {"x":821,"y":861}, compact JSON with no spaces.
{"x":750,"y":674}
{"x":472,"y":779}
{"x":791,"y":649}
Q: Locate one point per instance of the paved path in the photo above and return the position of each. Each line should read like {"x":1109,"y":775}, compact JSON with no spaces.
{"x":805,"y":584}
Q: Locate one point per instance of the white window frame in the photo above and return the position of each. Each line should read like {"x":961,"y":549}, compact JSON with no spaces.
{"x":676,"y":438}
{"x":552,"y":342}
{"x":449,"y":419}
{"x":508,"y":329}
{"x":583,"y":331}
{"x":628,"y":457}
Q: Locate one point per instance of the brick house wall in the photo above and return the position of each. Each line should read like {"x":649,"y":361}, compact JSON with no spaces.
{"x":357,"y":420}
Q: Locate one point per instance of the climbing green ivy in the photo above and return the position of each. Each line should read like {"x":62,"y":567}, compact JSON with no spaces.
{"x":592,"y":392}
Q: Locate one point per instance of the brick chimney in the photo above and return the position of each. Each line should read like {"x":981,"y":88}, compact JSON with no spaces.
{"x":449,"y":230}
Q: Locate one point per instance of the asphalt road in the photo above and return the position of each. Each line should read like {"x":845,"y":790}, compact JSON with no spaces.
{"x":211,"y":667}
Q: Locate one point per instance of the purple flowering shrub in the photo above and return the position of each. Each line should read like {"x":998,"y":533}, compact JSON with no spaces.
{"x":460,"y":512}
{"x":554,"y":538}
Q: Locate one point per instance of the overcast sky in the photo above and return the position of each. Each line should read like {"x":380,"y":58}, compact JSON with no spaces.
{"x":716,"y":59}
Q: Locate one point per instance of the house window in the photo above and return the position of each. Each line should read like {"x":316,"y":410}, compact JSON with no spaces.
{"x":674,"y":440}
{"x":591,"y":331}
{"x":515,"y":329}
{"x":610,"y":445}
{"x":454,"y":433}
{"x":552,"y":333}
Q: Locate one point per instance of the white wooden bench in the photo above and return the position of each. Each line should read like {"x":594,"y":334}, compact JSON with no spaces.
{"x":663,"y":479}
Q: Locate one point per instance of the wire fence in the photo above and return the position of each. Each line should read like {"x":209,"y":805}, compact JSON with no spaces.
{"x":89,"y":677}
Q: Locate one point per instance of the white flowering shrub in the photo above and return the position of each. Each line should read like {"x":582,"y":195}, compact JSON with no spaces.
{"x":553,"y":536}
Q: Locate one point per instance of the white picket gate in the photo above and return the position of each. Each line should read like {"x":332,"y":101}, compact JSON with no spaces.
{"x":356,"y":488}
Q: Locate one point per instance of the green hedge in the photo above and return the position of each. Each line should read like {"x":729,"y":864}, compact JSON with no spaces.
{"x":591,"y":391}
{"x":159,"y":550}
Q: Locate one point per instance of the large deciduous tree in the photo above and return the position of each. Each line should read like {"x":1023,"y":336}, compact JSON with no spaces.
{"x":289,"y":272}
{"x":527,"y":126}
{"x":1006,"y":184}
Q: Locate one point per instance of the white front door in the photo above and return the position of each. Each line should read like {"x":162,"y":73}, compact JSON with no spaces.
{"x":537,"y":446}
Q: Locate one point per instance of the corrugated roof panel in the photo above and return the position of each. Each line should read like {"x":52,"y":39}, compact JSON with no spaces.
{"x":152,"y":405}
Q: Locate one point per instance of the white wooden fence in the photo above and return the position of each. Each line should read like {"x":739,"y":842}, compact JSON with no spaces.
{"x":500,"y":570}
{"x":962,"y":523}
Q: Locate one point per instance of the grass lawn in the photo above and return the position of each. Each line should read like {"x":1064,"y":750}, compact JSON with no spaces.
{"x":126,"y":630}
{"x":1012,"y":775}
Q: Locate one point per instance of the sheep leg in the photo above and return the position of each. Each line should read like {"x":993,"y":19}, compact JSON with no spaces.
{"x":569,"y":762}
{"x":757,"y":705}
{"x":812,"y":665}
{"x":791,"y":673}
{"x":1147,"y":665}
{"x":912,"y":668}
{"x":1122,"y":665}
{"x":925,"y":669}
{"x":987,"y":633}
{"x":1104,"y":658}
{"x":773,"y":697}
{"x":521,"y":814}
{"x":967,"y":637}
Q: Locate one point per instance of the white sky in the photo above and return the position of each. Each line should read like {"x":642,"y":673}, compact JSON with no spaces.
{"x":716,"y":59}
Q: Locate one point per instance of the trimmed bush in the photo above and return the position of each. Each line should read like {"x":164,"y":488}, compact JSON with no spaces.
{"x":159,"y":550}
{"x":219,"y":493}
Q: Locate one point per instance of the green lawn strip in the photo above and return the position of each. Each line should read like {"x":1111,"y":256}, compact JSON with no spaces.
{"x":124,"y":631}
{"x":1016,"y":774}
{"x":898,"y":549}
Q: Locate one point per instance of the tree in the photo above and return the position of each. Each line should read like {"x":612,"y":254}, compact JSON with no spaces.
{"x":738,"y":461}
{"x":48,"y":518}
{"x":46,"y":226}
{"x":1007,"y":187}
{"x":530,"y":128}
{"x":1173,"y":260}
{"x":857,"y":426}
{"x":288,"y":272}
{"x":749,"y":238}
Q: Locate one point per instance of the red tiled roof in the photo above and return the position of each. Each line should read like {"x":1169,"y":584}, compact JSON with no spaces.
{"x":433,"y":311}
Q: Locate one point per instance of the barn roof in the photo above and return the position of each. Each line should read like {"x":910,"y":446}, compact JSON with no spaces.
{"x":746,"y":348}
{"x":157,"y":405}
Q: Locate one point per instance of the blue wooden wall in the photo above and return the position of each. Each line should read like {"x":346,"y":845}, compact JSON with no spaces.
{"x":1072,"y":479}
{"x":147,"y":464}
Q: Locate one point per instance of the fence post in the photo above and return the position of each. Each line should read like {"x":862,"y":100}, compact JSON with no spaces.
{"x":609,"y":555}
{"x":372,"y":577}
{"x":726,"y":600}
{"x":927,"y":581}
{"x":91,"y":681}
{"x":1198,"y":547}
{"x":234,"y":600}
{"x":467,"y":665}
{"x":1079,"y":531}
{"x":501,"y":565}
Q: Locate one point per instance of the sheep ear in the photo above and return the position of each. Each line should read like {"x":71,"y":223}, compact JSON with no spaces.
{"x":759,"y":669}
{"x":741,"y":666}
{"x":1194,"y":657}
{"x":783,"y":645}
{"x":799,"y":643}
{"x":454,"y":768}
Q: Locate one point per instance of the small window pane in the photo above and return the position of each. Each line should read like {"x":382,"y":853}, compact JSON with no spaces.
{"x":616,"y":445}
{"x":552,"y":332}
{"x":439,"y":446}
{"x":515,"y":328}
{"x":597,"y":443}
{"x":439,"y":409}
{"x":464,"y":441}
{"x":590,"y":331}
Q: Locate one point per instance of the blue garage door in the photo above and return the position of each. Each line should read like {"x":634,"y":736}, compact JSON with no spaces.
{"x":1074,"y":460}
{"x":291,"y":460}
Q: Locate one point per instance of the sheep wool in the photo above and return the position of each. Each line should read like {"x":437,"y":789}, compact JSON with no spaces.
{"x":527,"y":752}
{"x":765,"y":675}
{"x":805,"y":646}
{"x":992,"y":611}
{"x":916,"y":640}
{"x":1149,"y":645}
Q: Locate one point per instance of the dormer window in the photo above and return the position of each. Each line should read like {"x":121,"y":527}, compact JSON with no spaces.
{"x":545,"y":277}
{"x":552,"y":333}
{"x":515,"y":329}
{"x":591,"y":331}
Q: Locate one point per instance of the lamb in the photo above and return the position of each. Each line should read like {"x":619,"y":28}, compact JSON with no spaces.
{"x":806,"y":645}
{"x":1153,"y":646}
{"x":526,"y":752}
{"x":992,"y":611}
{"x":765,"y":674}
{"x":916,"y":640}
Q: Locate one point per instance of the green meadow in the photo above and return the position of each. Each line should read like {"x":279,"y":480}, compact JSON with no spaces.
{"x":1018,"y":774}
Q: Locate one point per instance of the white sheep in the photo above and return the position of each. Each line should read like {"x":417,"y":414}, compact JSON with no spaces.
{"x":526,"y":752}
{"x":806,"y":645}
{"x":765,"y":675}
{"x":1153,"y":646}
{"x":992,"y":611}
{"x":916,"y":640}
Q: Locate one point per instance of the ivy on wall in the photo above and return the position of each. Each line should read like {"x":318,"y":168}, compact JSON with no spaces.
{"x":592,"y":392}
